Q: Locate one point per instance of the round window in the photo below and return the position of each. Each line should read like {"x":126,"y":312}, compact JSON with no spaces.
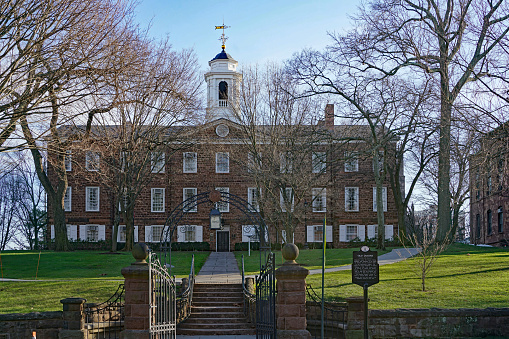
{"x":222,"y":130}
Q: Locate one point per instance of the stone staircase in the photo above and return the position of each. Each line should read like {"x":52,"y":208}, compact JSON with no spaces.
{"x":217,"y":309}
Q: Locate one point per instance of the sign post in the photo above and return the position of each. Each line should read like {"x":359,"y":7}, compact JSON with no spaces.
{"x":365,"y":272}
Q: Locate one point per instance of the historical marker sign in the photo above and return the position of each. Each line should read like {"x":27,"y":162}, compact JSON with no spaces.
{"x":365,"y":268}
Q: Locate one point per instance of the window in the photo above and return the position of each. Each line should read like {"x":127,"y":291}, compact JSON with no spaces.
{"x":223,"y":205}
{"x":351,"y":199}
{"x":384,"y":199}
{"x":92,"y":161}
{"x":223,"y":90}
{"x":190,"y":198}
{"x":189,"y":233}
{"x":319,"y":199}
{"x":190,"y":162}
{"x":373,"y":232}
{"x":500,"y":220}
{"x":488,"y":216}
{"x":72,"y":232}
{"x":477,"y":185}
{"x":488,"y":184}
{"x":286,"y":199}
{"x":318,"y":233}
{"x":157,"y":199}
{"x":92,"y":199}
{"x":254,"y":162}
{"x":380,"y":162}
{"x":351,"y":162}
{"x":157,"y":162}
{"x":252,"y":198}
{"x":92,"y":232}
{"x":157,"y":232}
{"x":68,"y":160}
{"x":478,"y":225}
{"x":68,"y":199}
{"x":222,"y":162}
{"x":351,"y":232}
{"x":315,"y":233}
{"x":319,"y":162}
{"x":285,"y":162}
{"x":121,"y":235}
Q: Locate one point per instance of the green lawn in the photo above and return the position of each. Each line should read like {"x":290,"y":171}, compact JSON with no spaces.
{"x":464,"y":276}
{"x":310,"y":259}
{"x":92,"y":275}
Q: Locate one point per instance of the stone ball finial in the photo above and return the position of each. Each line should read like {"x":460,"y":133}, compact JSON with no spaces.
{"x":290,"y":252}
{"x":140,"y":252}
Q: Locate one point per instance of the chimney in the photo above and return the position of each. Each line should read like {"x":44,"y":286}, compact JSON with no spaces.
{"x":329,"y":116}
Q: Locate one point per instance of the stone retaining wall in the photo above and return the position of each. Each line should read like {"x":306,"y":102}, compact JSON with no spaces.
{"x":439,"y":323}
{"x":19,"y":325}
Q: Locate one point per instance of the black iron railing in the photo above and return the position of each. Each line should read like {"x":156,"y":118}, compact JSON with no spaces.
{"x":185,"y":297}
{"x":266,"y":300}
{"x":335,"y":316}
{"x":106,"y":320}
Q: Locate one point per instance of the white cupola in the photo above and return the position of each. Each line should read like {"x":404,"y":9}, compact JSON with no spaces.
{"x":223,"y":85}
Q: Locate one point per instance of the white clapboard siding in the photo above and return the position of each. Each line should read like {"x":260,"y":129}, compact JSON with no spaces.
{"x":361,"y":232}
{"x":342,"y":233}
{"x":310,"y":234}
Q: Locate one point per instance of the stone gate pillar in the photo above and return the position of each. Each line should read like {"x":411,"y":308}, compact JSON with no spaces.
{"x":291,"y":296}
{"x":136,"y":322}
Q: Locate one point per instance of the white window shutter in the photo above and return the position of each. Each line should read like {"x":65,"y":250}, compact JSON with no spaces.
{"x":52,"y":231}
{"x":371,"y":231}
{"x":342,"y":233}
{"x":283,"y":236}
{"x":74,"y":232}
{"x":328,"y":234}
{"x":101,"y":233}
{"x":311,"y":234}
{"x":83,"y":232}
{"x":181,"y":236}
{"x":135,"y":234}
{"x":374,"y":199}
{"x":361,"y":232}
{"x":148,"y":233}
{"x":389,"y":232}
{"x":198,"y":233}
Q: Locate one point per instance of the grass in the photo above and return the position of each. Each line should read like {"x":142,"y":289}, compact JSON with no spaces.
{"x":463,"y":277}
{"x":311,"y":259}
{"x":92,"y":275}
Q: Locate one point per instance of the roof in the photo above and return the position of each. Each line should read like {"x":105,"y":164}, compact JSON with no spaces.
{"x":223,"y":55}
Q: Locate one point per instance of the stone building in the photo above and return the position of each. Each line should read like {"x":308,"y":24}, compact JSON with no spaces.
{"x":489,"y":189}
{"x":336,"y":182}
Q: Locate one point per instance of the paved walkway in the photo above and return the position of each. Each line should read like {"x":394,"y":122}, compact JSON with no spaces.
{"x":220,"y":267}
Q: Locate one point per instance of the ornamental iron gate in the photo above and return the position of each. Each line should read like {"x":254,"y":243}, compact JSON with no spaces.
{"x":266,"y":300}
{"x":162,"y":300}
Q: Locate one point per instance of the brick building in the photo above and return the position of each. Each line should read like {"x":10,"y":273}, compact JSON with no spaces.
{"x":340,"y":182}
{"x":489,"y":189}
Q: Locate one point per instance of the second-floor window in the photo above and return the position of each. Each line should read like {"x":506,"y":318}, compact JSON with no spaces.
{"x":157,"y":162}
{"x":500,"y":220}
{"x":384,"y":198}
{"x":68,"y":199}
{"x":223,"y":205}
{"x":286,"y":199}
{"x":489,"y":221}
{"x":68,"y":160}
{"x":190,"y":198}
{"x":319,"y":162}
{"x":190,"y":162}
{"x":92,"y":161}
{"x":319,"y":199}
{"x":222,"y":162}
{"x":351,"y":199}
{"x":92,"y":199}
{"x":252,"y":198}
{"x":285,"y":162}
{"x":157,"y":199}
{"x":351,"y":162}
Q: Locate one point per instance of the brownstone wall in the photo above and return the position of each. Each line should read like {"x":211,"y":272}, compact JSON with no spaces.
{"x":17,"y":325}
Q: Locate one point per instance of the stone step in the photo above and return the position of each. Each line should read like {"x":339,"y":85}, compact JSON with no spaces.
{"x":201,"y":294}
{"x":217,"y":332}
{"x":216,"y":326}
{"x":202,"y":315}
{"x":215,"y":309}
{"x":206,"y":320}
{"x":217,"y":289}
{"x":218,"y":303}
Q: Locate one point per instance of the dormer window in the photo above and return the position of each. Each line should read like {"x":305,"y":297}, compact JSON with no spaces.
{"x":223,"y":90}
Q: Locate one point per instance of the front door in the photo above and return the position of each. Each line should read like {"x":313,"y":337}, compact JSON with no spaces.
{"x":223,"y":241}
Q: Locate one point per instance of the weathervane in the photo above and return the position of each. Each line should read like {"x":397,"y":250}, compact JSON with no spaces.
{"x":223,"y":37}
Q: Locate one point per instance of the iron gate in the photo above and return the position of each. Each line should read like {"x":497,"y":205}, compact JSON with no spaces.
{"x":266,"y":300}
{"x":162,"y":314}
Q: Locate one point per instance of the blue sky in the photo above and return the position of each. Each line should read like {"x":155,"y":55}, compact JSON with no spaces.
{"x":260,"y":30}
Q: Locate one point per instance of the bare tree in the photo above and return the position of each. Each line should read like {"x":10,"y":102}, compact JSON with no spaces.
{"x":9,"y":198}
{"x":456,"y":42}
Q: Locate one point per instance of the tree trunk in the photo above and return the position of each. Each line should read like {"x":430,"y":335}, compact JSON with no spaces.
{"x":61,"y":242}
{"x":129,"y":229}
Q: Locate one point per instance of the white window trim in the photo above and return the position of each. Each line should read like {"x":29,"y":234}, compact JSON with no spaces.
{"x":87,"y":199}
{"x":360,"y":232}
{"x":186,"y":160}
{"x":68,"y":160}
{"x":182,"y":233}
{"x":356,"y":195}
{"x":152,"y":196}
{"x":221,"y":203}
{"x":219,"y":170}
{"x":315,"y":193}
{"x":310,"y":233}
{"x":68,"y":205}
{"x":88,"y":154}
{"x":101,"y":232}
{"x":373,"y":234}
{"x":250,"y":198}
{"x":285,"y":162}
{"x":317,"y":159}
{"x":384,"y":199}
{"x":282,"y":200}
{"x":195,"y":208}
{"x":156,"y":158}
{"x":351,"y":160}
